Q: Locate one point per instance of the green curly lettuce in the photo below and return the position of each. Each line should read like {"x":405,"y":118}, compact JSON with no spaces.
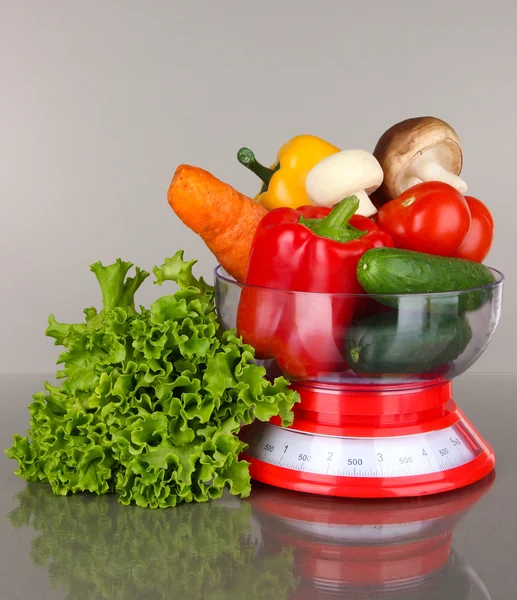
{"x":97,"y":550}
{"x":151,"y":399}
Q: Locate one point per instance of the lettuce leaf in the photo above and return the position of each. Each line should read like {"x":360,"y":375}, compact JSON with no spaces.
{"x":96,"y":549}
{"x":151,"y":399}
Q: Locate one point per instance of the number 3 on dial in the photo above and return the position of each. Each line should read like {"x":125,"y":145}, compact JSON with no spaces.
{"x":380,"y":457}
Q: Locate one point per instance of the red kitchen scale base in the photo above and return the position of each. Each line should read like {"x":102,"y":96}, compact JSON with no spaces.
{"x":370,"y":441}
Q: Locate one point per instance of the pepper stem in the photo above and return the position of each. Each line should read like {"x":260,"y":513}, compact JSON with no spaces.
{"x":246,"y":157}
{"x":335,"y":225}
{"x":338,"y":217}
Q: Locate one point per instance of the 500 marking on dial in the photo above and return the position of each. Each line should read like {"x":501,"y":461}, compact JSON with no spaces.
{"x":360,"y":457}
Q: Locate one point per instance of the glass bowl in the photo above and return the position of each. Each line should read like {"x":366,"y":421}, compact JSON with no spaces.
{"x":361,"y":339}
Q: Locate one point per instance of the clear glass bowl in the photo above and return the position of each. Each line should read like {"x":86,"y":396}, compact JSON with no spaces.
{"x":361,"y":339}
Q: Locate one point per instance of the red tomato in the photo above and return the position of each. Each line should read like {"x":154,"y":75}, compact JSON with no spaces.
{"x":430,"y":217}
{"x":478,"y":242}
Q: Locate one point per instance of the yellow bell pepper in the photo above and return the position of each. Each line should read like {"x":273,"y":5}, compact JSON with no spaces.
{"x":284,"y":182}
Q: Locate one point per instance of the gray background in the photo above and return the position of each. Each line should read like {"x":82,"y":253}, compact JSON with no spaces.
{"x":100,"y":101}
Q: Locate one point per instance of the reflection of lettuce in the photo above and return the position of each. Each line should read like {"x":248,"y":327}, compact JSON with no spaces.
{"x":151,"y":400}
{"x":99,"y":550}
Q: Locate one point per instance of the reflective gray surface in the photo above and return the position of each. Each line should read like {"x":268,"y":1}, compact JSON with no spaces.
{"x":275,"y":544}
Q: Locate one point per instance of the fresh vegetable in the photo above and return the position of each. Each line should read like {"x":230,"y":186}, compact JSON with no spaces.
{"x":395,"y":271}
{"x":387,"y":344}
{"x":98,"y":551}
{"x":151,"y":400}
{"x":294,"y":250}
{"x":479,"y":239}
{"x":417,"y":150}
{"x":347,"y":173}
{"x":284,"y":182}
{"x":225,"y":219}
{"x":430,"y":217}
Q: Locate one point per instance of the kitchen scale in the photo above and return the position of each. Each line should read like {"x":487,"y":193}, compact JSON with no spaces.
{"x":381,"y":549}
{"x":357,"y":434}
{"x":382,"y":441}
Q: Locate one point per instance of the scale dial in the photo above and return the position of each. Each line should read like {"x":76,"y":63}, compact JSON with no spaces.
{"x":401,"y":456}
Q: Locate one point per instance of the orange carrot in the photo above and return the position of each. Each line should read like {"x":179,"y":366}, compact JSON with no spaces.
{"x":225,"y":219}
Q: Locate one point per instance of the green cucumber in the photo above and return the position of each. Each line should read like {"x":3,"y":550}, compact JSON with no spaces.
{"x":396,"y":271}
{"x":385,"y":343}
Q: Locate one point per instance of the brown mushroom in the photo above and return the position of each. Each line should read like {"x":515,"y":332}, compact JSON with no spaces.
{"x":416,"y":150}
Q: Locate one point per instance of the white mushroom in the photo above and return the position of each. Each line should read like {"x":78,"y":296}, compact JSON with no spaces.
{"x":343,"y":174}
{"x":417,"y":150}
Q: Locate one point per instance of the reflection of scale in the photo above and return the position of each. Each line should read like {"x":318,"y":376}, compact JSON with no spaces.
{"x":370,"y":441}
{"x":381,"y":549}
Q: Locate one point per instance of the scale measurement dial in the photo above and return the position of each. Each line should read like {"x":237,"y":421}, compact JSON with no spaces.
{"x":403,"y":456}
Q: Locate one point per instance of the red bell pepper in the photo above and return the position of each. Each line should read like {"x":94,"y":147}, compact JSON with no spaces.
{"x":308,"y":249}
